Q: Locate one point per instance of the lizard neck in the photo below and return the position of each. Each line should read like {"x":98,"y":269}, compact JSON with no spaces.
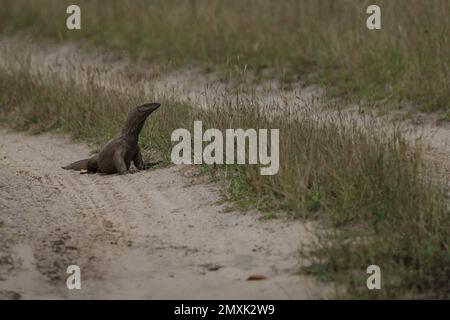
{"x":132,"y":130}
{"x":130,"y":138}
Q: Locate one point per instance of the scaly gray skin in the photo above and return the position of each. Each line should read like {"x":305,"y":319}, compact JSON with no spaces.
{"x":117,"y":154}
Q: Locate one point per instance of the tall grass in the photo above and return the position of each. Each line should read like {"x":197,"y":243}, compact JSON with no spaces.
{"x":408,"y":59}
{"x":370,"y":190}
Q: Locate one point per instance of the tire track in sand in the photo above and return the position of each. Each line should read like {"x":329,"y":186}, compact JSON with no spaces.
{"x":153,"y":234}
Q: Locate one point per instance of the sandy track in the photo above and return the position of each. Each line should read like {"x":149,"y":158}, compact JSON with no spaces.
{"x":153,"y":234}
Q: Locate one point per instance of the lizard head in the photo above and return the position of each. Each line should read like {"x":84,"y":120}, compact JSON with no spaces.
{"x":137,"y":116}
{"x":148,"y":108}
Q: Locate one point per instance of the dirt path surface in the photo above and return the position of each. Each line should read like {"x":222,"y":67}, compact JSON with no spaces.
{"x":154,"y":234}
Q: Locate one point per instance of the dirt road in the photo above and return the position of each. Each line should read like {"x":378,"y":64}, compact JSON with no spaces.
{"x":153,"y":234}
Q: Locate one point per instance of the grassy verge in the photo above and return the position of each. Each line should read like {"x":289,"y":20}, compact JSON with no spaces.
{"x":369,"y":190}
{"x":408,"y":59}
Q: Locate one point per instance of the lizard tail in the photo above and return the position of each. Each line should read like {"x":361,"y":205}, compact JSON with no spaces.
{"x":78,"y":165}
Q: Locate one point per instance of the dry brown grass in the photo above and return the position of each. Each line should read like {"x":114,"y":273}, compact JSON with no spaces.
{"x":408,"y":59}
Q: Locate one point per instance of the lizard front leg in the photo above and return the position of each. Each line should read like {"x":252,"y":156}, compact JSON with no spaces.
{"x":137,"y":160}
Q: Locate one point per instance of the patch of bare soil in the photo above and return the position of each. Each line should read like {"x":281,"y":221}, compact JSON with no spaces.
{"x":153,"y":234}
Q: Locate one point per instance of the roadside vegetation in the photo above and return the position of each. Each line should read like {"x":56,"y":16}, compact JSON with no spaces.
{"x":321,"y":41}
{"x":369,"y":188}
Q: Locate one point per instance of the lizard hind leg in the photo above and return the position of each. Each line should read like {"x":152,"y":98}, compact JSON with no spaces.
{"x":119,"y":163}
{"x":92,"y":165}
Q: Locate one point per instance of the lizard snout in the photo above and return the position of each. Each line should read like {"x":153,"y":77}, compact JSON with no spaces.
{"x":149,"y":107}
